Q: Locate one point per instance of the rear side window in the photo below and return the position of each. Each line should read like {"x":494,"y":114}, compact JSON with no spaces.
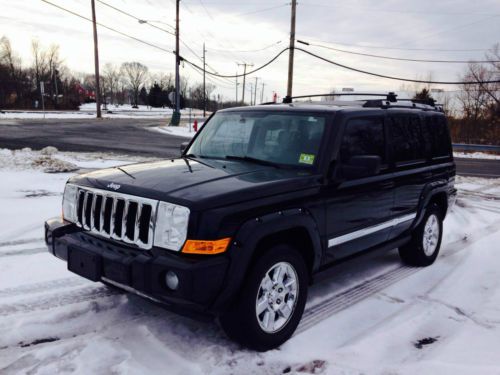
{"x":363,"y":137}
{"x":407,"y":139}
{"x":437,"y":129}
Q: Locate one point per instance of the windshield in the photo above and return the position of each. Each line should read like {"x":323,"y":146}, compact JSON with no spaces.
{"x":277,"y":138}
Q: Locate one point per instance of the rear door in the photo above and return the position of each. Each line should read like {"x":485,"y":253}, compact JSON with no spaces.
{"x":358,"y":209}
{"x":410,"y":149}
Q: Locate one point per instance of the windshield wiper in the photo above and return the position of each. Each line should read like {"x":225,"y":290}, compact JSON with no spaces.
{"x":252,"y":160}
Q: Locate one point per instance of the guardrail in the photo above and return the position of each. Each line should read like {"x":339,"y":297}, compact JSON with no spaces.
{"x":473,"y":147}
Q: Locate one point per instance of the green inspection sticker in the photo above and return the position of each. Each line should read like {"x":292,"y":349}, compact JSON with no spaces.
{"x":306,"y":159}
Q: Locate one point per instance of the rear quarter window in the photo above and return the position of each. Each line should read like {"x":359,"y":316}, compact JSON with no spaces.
{"x":408,"y":142}
{"x":439,"y":136}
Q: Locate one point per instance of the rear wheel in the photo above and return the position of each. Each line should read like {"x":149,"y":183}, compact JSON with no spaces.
{"x":271,"y":302}
{"x":425,"y":244}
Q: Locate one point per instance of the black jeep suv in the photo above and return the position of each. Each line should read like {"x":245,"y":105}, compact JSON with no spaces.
{"x":261,"y":200}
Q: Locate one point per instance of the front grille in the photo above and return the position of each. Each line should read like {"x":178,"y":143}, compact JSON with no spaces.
{"x":117,"y":216}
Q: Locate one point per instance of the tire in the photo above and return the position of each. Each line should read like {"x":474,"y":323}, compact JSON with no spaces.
{"x":272,"y":326}
{"x":425,"y":244}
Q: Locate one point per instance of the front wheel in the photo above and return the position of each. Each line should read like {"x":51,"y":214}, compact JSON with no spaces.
{"x":271,"y":302}
{"x":424,"y":246}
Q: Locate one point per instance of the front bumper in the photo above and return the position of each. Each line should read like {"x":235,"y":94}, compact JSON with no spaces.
{"x":200,"y":278}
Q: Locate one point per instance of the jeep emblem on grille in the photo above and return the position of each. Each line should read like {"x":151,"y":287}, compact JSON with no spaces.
{"x":113,"y":186}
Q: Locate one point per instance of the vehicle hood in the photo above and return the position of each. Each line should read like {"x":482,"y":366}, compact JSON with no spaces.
{"x":199,"y":184}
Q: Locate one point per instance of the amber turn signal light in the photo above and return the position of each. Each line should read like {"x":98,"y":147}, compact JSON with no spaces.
{"x":206,"y":247}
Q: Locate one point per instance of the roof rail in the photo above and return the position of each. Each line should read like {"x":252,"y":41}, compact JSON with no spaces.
{"x":388,"y":100}
{"x":391,"y":97}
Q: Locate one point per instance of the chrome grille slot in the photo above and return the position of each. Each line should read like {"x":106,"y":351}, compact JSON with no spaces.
{"x":118,"y":216}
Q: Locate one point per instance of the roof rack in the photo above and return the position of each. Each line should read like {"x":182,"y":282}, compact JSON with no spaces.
{"x":391,"y":97}
{"x":389,"y":101}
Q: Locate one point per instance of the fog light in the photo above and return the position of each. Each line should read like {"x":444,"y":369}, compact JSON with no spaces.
{"x":172,"y":280}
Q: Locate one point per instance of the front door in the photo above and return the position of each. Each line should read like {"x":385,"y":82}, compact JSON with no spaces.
{"x":358,"y":209}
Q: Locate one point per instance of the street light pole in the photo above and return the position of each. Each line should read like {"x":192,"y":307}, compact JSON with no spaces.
{"x":255,"y":92}
{"x":96,"y":63}
{"x":291,"y":51}
{"x":177,"y":112}
{"x":204,"y":82}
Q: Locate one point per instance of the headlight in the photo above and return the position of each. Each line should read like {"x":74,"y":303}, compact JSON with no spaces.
{"x":69,"y":203}
{"x":171,"y":226}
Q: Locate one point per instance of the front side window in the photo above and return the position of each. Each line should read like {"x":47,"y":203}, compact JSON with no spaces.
{"x":363,"y":137}
{"x":279,"y":138}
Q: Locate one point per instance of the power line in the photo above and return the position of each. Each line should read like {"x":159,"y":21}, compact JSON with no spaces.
{"x":271,"y":60}
{"x":240,"y":75}
{"x":380,"y":10}
{"x":134,"y":17}
{"x":391,"y":77}
{"x":406,"y":49}
{"x":109,"y":28}
{"x":396,"y":58}
{"x":345,"y":67}
{"x":248,"y":50}
{"x":261,"y":10}
{"x":149,"y":24}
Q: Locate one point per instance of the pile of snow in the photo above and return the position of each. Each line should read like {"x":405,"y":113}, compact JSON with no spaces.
{"x":51,"y":160}
{"x":476,"y":155}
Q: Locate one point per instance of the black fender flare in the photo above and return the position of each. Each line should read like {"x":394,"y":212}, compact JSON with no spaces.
{"x":429,"y":191}
{"x":245,"y":242}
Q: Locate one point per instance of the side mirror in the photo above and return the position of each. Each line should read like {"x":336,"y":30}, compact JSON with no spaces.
{"x":184,"y":145}
{"x":361,"y":166}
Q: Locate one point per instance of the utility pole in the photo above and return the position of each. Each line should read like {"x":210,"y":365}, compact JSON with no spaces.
{"x":96,"y":63}
{"x":236,"y":87}
{"x":291,"y":51}
{"x":244,"y":80}
{"x":176,"y":116}
{"x":262,"y":93}
{"x":204,"y":83}
{"x":255,"y":92}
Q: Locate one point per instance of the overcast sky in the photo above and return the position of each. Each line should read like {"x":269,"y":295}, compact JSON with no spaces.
{"x":232,"y":28}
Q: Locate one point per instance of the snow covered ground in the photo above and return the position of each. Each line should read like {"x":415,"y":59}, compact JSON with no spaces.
{"x":88,"y":111}
{"x":376,"y":317}
{"x":476,"y":155}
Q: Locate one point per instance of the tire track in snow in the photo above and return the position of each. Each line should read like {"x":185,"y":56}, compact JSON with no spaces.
{"x":45,"y":302}
{"x":340,"y":301}
{"x":21,"y":242}
{"x":42,"y":286}
{"x":36,"y":250}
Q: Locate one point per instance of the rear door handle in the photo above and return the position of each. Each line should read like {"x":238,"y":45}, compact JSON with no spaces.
{"x":386,"y":184}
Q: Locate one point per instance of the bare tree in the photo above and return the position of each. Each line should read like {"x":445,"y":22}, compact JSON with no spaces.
{"x":417,"y":87}
{"x":111,"y":81}
{"x":164,"y":81}
{"x":134,"y":74}
{"x":473,"y":97}
{"x":40,"y":65}
{"x":9,"y":58}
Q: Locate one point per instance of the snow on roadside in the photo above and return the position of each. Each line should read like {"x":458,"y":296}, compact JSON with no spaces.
{"x":183,"y":130}
{"x":475,"y":155}
{"x":88,"y":111}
